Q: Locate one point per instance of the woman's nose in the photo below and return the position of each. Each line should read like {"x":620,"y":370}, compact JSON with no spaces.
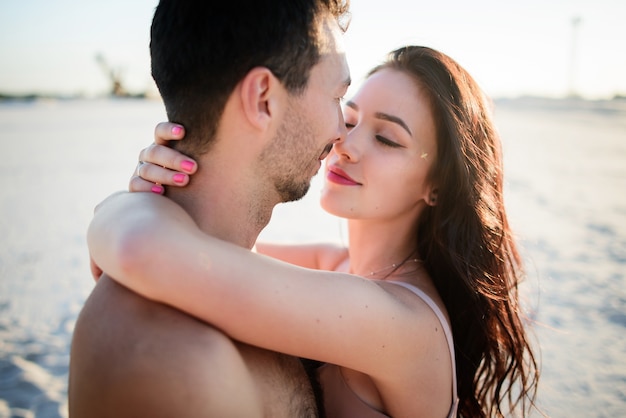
{"x":348,"y":147}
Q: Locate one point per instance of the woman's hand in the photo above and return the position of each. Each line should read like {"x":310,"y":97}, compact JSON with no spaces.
{"x":160,"y":165}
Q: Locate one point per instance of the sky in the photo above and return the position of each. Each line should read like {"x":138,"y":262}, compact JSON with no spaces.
{"x":511,"y":48}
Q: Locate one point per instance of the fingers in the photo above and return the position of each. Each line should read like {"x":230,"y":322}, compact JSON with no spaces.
{"x":162,"y":165}
{"x":137,"y":184}
{"x":153,"y":173}
{"x":168,"y":158}
{"x":159,"y":165}
{"x":167,"y":131}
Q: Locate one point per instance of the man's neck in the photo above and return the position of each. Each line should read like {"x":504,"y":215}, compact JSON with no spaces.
{"x":224,"y":208}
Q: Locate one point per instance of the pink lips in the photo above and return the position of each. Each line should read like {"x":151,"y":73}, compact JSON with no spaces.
{"x":337,"y":175}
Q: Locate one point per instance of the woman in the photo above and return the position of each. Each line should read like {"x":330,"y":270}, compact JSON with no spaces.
{"x":419,"y":178}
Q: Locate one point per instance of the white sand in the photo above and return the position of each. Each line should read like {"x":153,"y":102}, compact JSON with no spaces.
{"x":566,"y":177}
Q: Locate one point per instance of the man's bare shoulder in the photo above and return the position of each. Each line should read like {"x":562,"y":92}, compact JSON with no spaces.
{"x":134,"y":357}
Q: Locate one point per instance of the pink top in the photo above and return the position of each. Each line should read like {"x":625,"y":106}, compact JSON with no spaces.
{"x":341,"y":402}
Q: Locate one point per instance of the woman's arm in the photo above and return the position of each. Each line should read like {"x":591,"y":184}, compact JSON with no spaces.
{"x":149,"y":244}
{"x":313,"y":256}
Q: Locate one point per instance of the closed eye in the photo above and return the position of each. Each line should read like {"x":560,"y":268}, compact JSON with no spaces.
{"x":387,"y":142}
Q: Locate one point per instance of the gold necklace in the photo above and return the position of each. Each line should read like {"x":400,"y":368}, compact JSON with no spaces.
{"x":395,"y":266}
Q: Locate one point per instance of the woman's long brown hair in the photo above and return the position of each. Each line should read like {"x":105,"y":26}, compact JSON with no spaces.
{"x":466,"y":242}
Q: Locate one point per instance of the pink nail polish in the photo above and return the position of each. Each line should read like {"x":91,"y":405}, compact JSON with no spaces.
{"x":157,"y":189}
{"x":179,"y":178}
{"x":177,"y":130}
{"x":187,"y":165}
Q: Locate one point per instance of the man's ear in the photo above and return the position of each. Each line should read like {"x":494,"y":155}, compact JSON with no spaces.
{"x":261,"y":93}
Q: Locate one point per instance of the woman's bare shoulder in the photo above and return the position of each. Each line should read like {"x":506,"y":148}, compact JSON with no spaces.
{"x":318,"y":256}
{"x":332,"y":257}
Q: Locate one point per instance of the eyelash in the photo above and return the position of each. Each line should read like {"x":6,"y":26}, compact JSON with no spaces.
{"x":387,"y":142}
{"x":381,"y":139}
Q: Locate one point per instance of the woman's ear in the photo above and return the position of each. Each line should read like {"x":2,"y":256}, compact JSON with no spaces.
{"x":432,"y":197}
{"x":260,"y":94}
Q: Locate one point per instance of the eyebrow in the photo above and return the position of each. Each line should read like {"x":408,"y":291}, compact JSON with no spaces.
{"x":384,"y":116}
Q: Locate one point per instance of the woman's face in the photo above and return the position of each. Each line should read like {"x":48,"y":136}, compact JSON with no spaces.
{"x":380,"y":170}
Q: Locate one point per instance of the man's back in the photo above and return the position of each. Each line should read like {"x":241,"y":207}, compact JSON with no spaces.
{"x":132,"y":357}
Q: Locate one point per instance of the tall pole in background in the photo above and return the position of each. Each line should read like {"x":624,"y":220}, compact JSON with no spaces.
{"x":574,"y":57}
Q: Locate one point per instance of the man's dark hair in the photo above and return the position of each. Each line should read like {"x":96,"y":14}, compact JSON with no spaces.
{"x":201,"y":49}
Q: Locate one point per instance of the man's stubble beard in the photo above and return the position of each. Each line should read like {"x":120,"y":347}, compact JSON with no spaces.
{"x":288,"y":159}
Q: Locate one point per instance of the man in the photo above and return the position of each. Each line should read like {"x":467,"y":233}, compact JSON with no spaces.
{"x":257,"y":85}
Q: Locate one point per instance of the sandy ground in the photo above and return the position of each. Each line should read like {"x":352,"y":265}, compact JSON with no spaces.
{"x":566,"y":176}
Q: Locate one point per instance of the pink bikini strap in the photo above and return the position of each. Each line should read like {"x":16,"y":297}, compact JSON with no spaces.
{"x":447,"y":331}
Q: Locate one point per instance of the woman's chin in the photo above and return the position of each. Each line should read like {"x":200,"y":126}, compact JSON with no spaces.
{"x":334,"y":206}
